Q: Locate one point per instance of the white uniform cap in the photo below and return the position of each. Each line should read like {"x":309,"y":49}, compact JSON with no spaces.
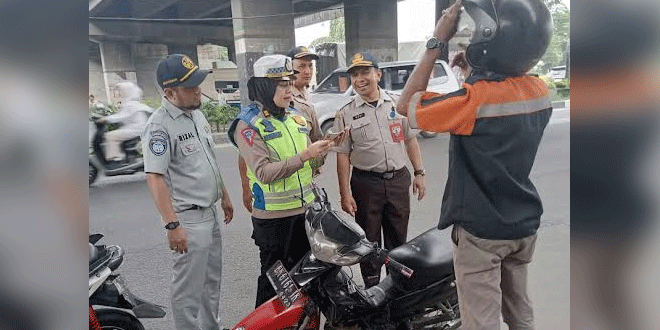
{"x":278,"y":67}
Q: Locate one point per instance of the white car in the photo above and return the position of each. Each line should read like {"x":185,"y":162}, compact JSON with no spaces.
{"x":558,"y":72}
{"x":335,"y":90}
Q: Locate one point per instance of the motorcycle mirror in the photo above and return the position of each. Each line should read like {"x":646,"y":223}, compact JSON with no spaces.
{"x":93,"y":238}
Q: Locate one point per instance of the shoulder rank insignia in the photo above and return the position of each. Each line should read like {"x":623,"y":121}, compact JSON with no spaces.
{"x":268,"y":126}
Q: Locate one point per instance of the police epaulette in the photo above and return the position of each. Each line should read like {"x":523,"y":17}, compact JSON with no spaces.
{"x":157,"y":116}
{"x":249,"y":115}
{"x":345,"y":103}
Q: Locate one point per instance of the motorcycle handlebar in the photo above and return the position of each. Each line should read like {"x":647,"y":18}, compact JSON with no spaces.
{"x":401,"y":268}
{"x":383,"y":256}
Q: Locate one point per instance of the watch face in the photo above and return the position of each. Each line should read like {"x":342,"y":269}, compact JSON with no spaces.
{"x":432,"y":43}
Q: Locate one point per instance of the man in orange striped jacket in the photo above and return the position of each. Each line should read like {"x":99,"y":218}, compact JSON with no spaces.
{"x":496,"y":122}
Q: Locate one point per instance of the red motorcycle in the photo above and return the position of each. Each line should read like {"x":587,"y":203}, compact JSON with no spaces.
{"x":422,"y":298}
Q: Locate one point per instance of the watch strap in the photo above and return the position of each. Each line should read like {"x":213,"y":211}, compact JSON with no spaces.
{"x":172,"y":225}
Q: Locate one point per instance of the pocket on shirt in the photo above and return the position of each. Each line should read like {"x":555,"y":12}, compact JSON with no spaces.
{"x":190,"y":147}
{"x":363,"y":131}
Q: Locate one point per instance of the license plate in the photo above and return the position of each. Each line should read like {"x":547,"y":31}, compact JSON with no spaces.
{"x":284,"y":286}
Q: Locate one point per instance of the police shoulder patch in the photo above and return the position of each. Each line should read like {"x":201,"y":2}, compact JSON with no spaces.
{"x":158,"y":145}
{"x":248,"y":135}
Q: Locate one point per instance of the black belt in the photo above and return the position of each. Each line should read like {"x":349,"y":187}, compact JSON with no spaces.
{"x":383,"y":175}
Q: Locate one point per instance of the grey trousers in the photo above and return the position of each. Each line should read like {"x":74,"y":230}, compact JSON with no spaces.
{"x":491,"y":278}
{"x":195,"y":288}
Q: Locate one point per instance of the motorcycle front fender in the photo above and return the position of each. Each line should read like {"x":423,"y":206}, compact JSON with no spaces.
{"x":114,"y":293}
{"x":273,"y":315}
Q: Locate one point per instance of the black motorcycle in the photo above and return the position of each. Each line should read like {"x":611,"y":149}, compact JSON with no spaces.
{"x":423,"y":296}
{"x":111,"y":304}
{"x":99,"y":164}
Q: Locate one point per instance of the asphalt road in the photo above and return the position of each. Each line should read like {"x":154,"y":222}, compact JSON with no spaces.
{"x":122,"y":209}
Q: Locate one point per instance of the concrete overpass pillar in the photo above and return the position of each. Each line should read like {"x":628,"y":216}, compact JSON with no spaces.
{"x":371,"y":25}
{"x":254,"y":37}
{"x":117,"y":63}
{"x":231,"y":52}
{"x":190,"y":50}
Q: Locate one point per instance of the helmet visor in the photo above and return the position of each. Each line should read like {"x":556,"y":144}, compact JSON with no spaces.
{"x":484,"y":19}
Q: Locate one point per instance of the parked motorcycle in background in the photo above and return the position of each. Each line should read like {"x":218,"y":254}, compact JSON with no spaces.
{"x":111,"y":304}
{"x":421,"y":297}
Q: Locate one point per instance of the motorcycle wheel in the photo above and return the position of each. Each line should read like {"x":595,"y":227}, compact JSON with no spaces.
{"x":93,"y":173}
{"x":118,"y":320}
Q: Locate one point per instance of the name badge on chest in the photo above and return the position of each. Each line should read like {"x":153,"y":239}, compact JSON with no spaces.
{"x":396,"y":129}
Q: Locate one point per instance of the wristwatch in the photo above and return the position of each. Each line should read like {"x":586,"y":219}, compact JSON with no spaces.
{"x":172,"y":225}
{"x":435,"y":43}
{"x":419,"y":172}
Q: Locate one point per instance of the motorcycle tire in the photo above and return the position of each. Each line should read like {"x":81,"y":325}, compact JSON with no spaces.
{"x":93,"y":173}
{"x":118,"y":320}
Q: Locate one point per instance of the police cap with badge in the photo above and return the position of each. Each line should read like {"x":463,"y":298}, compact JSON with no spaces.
{"x":301,"y":52}
{"x":277,"y":67}
{"x":362,"y":59}
{"x":179,"y":70}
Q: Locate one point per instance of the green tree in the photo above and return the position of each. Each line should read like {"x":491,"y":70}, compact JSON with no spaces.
{"x":337,"y":33}
{"x":218,"y":114}
{"x":556,"y":53}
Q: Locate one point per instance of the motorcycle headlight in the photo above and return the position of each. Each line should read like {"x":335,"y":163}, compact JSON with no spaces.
{"x":328,"y":251}
{"x":334,"y":241}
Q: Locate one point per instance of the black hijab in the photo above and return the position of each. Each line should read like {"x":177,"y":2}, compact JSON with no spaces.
{"x":262,"y":90}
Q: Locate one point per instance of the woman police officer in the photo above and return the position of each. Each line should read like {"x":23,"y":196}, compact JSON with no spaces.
{"x":274,"y":141}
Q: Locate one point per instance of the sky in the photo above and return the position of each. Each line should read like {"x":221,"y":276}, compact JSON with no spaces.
{"x":415,"y":23}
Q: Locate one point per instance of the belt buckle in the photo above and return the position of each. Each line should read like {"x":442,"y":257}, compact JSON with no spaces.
{"x":388,"y":175}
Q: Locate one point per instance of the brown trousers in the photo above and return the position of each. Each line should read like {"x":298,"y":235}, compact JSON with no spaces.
{"x":381,"y":203}
{"x":491,"y":278}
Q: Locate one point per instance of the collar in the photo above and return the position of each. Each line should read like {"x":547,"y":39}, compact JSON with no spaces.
{"x":266,"y":114}
{"x":172,"y":109}
{"x":304,"y":94}
{"x":359,"y":101}
{"x":484,"y":75}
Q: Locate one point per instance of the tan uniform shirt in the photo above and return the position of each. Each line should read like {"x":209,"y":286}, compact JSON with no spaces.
{"x":377,"y":134}
{"x":179,"y":146}
{"x":267,"y":166}
{"x":302,"y":102}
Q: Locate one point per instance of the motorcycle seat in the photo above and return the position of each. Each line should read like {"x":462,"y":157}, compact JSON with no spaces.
{"x":428,"y":255}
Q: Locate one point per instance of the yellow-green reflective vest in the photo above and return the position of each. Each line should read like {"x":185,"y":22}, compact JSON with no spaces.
{"x":285,"y":139}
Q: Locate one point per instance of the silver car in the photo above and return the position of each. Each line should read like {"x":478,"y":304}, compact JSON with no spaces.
{"x":335,"y":90}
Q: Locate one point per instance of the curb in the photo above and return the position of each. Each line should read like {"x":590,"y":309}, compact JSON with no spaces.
{"x":561,"y":104}
{"x":220,"y":137}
